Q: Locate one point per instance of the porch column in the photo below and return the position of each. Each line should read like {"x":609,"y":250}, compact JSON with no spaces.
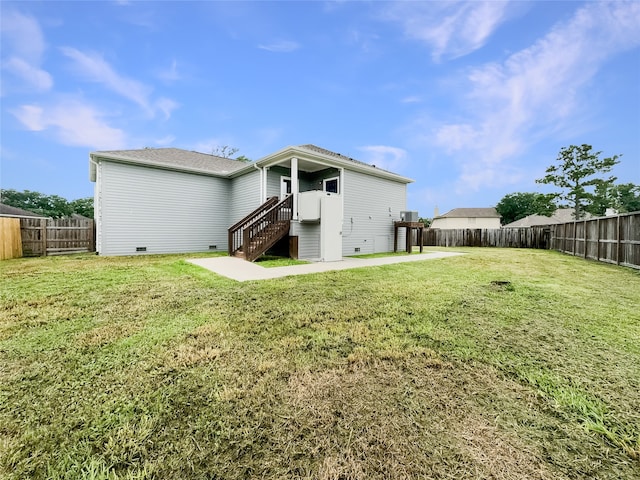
{"x":294,"y":186}
{"x":341,"y":190}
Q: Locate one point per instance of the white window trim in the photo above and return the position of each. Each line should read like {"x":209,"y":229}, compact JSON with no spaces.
{"x":324,"y":183}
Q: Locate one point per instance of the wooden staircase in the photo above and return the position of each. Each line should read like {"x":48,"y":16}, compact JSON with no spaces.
{"x":261,"y":229}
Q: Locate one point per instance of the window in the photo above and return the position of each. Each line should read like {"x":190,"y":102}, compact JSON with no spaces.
{"x":331,"y":185}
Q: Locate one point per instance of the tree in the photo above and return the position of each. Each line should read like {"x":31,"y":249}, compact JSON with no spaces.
{"x":578,"y":174}
{"x":224,"y":151}
{"x":626,"y":197}
{"x":242,"y":158}
{"x":82,"y":206}
{"x":515,"y":206}
{"x":47,"y":205}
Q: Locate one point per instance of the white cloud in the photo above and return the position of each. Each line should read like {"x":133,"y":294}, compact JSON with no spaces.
{"x":385,"y":157}
{"x":281,"y":46}
{"x":166,"y":106}
{"x":96,"y":69}
{"x":164,"y":141}
{"x":209,"y":145}
{"x":37,"y":78}
{"x":170,"y":74}
{"x":411,"y":99}
{"x":539,"y":90}
{"x":22,"y":36}
{"x":451,"y":29}
{"x":73,"y":123}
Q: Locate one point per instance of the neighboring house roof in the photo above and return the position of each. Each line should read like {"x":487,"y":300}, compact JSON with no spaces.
{"x":471,"y":213}
{"x":172,"y":158}
{"x":561,"y":215}
{"x":9,"y":211}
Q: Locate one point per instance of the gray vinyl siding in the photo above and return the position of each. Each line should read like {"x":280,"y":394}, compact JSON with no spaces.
{"x":308,"y":239}
{"x":371,"y":205}
{"x":162,"y":210}
{"x":245,"y":196}
{"x":315,"y":182}
{"x":306,"y":181}
{"x":273,"y":180}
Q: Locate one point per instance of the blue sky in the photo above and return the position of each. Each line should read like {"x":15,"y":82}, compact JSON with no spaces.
{"x":473,"y":100}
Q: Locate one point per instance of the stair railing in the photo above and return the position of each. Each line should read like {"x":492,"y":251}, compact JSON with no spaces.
{"x":266,"y":229}
{"x":235,"y":231}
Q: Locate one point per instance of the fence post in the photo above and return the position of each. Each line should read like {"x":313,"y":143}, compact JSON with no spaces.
{"x":585,"y":238}
{"x":619,"y":244}
{"x":598,"y":239}
{"x":43,"y":236}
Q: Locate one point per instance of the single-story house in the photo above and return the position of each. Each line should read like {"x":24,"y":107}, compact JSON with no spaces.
{"x":9,"y":211}
{"x":561,"y":215}
{"x":169,"y":200}
{"x":468,"y":218}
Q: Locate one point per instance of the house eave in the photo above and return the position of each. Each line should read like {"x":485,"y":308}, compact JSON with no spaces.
{"x":330,"y":161}
{"x":95,"y":158}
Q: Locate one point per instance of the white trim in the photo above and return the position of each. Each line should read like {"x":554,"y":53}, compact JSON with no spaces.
{"x":337,"y":179}
{"x":282,"y":183}
{"x":294,"y":186}
{"x":330,"y":161}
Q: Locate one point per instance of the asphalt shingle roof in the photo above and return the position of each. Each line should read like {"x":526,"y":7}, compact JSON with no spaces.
{"x":19,"y":212}
{"x":324,"y":151}
{"x":561,"y":215}
{"x":176,"y":157}
{"x":471,"y":213}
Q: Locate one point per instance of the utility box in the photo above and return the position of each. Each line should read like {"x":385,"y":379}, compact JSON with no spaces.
{"x":409,"y":216}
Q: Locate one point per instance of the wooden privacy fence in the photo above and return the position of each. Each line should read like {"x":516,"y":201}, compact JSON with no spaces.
{"x":10,"y":245}
{"x":532,"y":237}
{"x":608,"y":239}
{"x":48,"y":236}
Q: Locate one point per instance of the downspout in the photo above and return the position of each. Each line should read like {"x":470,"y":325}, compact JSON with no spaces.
{"x":262,"y":195}
{"x":97,"y":204}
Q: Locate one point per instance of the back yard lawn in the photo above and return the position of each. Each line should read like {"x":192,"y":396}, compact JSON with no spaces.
{"x":496,"y":364}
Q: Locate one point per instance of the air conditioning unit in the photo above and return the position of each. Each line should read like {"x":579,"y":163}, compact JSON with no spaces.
{"x":409,"y":216}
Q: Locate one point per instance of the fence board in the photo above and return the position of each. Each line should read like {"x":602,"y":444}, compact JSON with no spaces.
{"x":47,"y":236}
{"x":607,"y":239}
{"x":10,"y":238}
{"x":532,"y":237}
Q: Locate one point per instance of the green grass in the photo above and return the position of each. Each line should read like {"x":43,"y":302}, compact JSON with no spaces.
{"x":501,"y":363}
{"x":272,"y":261}
{"x":381,"y":255}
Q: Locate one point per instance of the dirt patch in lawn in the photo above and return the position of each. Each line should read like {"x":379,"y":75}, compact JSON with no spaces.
{"x":388,"y":420}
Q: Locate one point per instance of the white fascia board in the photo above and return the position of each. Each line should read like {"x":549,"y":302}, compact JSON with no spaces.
{"x":162,"y":166}
{"x":92,"y":169}
{"x":329,"y":161}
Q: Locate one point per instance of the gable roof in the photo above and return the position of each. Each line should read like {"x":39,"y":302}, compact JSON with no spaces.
{"x":9,"y":211}
{"x":173,"y":159}
{"x":195,"y":162}
{"x":309,"y":154}
{"x":561,"y":215}
{"x":471,"y":213}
